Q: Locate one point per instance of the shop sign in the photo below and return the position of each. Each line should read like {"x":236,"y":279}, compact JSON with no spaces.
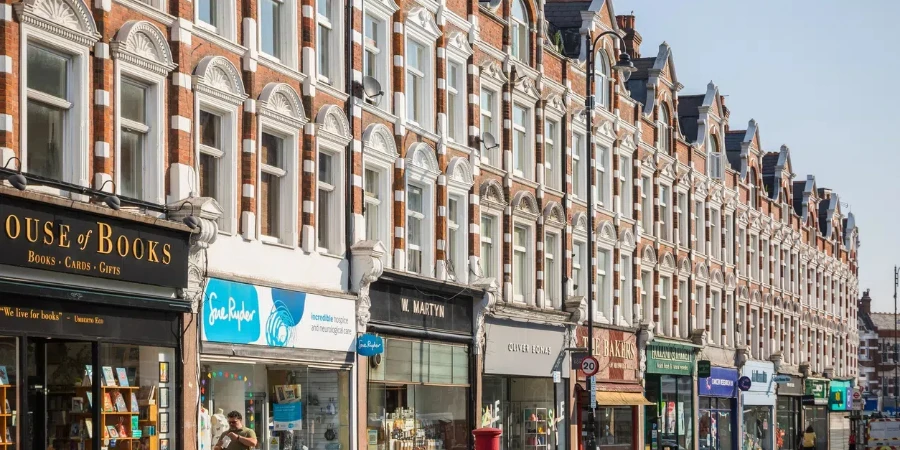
{"x":819,"y":390}
{"x":48,"y":237}
{"x":719,"y":383}
{"x":398,"y":304}
{"x":369,"y":345}
{"x":744,"y":383}
{"x":670,"y":359}
{"x":840,"y":396}
{"x":288,"y":416}
{"x":519,"y":348}
{"x":704,"y":368}
{"x":616,"y":352}
{"x":239,"y":313}
{"x":871,"y":404}
{"x":762,"y":388}
{"x":789,"y":385}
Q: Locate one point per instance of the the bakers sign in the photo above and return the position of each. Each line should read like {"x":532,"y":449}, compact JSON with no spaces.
{"x":615,"y":350}
{"x":49,"y":237}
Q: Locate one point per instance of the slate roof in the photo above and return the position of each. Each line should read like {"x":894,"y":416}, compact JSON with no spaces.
{"x":642,"y":67}
{"x":638,"y":90}
{"x":688,"y":113}
{"x":883,"y":321}
{"x":824,"y":219}
{"x":565,"y":17}
{"x":733,"y":141}
{"x":770,"y":178}
{"x":799,"y":187}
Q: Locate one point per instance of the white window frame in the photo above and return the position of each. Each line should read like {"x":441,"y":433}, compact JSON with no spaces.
{"x":663,"y":125}
{"x":526,"y":272}
{"x":754,"y":257}
{"x":579,"y":159}
{"x":457,"y":117}
{"x":715,"y":311}
{"x":684,"y":313}
{"x":335,"y":76}
{"x":552,"y":278}
{"x":729,"y":238}
{"x":523,"y":155}
{"x":700,"y":299}
{"x":553,"y":166}
{"x":647,"y":205}
{"x":421,"y":29}
{"x":423,"y":177}
{"x":494,"y":241}
{"x":743,"y":265}
{"x":602,"y":79}
{"x":715,"y":158}
{"x":154,"y":130}
{"x":288,"y":185}
{"x":729,"y":324}
{"x":381,"y":161}
{"x":458,"y":254}
{"x":665,"y":213}
{"x":700,"y":226}
{"x":76,"y":157}
{"x":492,"y":156}
{"x":626,"y":286}
{"x":336,"y":242}
{"x":666,"y":327}
{"x":684,"y":219}
{"x":603,"y":188}
{"x":626,"y":187}
{"x":424,"y":247}
{"x":382,"y":16}
{"x":647,"y":293}
{"x":520,"y":28}
{"x":604,"y":309}
{"x":579,"y":264}
{"x":288,"y":36}
{"x":715,"y":235}
{"x":764,"y":269}
{"x":225,"y":16}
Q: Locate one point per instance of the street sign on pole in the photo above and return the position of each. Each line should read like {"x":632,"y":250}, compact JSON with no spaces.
{"x":593,"y":385}
{"x":590,"y":366}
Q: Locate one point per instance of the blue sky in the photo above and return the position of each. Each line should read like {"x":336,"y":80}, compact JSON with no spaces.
{"x":818,"y":76}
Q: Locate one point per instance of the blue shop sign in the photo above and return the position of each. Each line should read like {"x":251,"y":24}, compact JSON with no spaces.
{"x":871,"y":404}
{"x":720,"y":383}
{"x":369,"y":345}
{"x":288,"y":416}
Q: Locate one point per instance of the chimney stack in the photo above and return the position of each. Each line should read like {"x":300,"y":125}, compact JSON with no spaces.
{"x":632,"y":37}
{"x":865,"y":303}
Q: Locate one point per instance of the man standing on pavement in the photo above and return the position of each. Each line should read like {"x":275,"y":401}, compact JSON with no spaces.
{"x":237,"y":437}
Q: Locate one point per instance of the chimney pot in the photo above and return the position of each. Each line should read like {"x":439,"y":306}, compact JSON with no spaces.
{"x":632,"y":38}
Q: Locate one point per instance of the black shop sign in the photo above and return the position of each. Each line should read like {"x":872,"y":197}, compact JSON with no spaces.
{"x":416,"y":307}
{"x":49,"y":237}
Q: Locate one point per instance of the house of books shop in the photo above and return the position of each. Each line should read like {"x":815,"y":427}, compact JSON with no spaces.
{"x":90,"y":326}
{"x":280,"y":358}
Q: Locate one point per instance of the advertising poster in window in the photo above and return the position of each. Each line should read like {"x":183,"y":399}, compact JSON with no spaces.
{"x":238,"y":313}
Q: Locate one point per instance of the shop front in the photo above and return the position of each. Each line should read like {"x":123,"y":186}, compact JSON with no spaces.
{"x":282,"y":359}
{"x":758,"y":406}
{"x":619,"y":395}
{"x":670,"y":390}
{"x":815,"y":410}
{"x":90,"y":320}
{"x":839,"y":407}
{"x":789,"y":425}
{"x":419,"y":391}
{"x":525,"y":383}
{"x":717,"y":428}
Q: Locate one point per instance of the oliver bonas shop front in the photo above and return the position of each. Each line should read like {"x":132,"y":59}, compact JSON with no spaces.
{"x":670,"y":385}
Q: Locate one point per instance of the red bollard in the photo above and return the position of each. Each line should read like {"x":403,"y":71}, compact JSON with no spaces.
{"x":487,"y":438}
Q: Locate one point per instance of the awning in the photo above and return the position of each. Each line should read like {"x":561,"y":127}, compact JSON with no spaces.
{"x":621,"y":398}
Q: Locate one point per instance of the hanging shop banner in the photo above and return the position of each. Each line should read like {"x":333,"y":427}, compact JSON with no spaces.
{"x":720,"y":383}
{"x":762,"y":387}
{"x":840,"y":397}
{"x":670,"y":359}
{"x":789,"y":385}
{"x":526,"y":349}
{"x":818,"y":389}
{"x":615,"y":350}
{"x":239,"y":313}
{"x":369,"y":345}
{"x":396,"y":303}
{"x":49,"y":237}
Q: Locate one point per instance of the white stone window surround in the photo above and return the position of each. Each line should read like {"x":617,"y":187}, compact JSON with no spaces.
{"x":520,"y":41}
{"x":525,"y":96}
{"x":625,"y":177}
{"x":579,"y":159}
{"x":335,"y":75}
{"x":380,"y":156}
{"x":288,"y":37}
{"x":280,"y":113}
{"x":382,"y":11}
{"x":332,"y":137}
{"x":525,"y":214}
{"x":460,"y":180}
{"x":492,"y":202}
{"x":663,"y":124}
{"x":218,"y":89}
{"x":66,"y":27}
{"x":422,"y":171}
{"x":421,"y":28}
{"x":602,"y":77}
{"x":492,"y":79}
{"x":554,"y":221}
{"x":553,"y":167}
{"x":226,"y":26}
{"x":606,"y":243}
{"x":141,"y":53}
{"x":457,"y":52}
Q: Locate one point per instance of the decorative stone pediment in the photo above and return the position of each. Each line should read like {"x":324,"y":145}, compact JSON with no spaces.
{"x":280,"y":102}
{"x":606,"y":130}
{"x":606,"y":232}
{"x":492,"y":70}
{"x":69,"y":19}
{"x":684,"y":267}
{"x":492,"y":195}
{"x":554,"y":215}
{"x":579,"y":222}
{"x":702,"y":271}
{"x":526,"y":86}
{"x":667,"y":263}
{"x":421,"y":23}
{"x":142,"y":44}
{"x":648,"y":256}
{"x":378,"y":143}
{"x":216,"y":76}
{"x":458,"y":45}
{"x":626,"y":240}
{"x":627,"y":143}
{"x":524,"y":204}
{"x":554,"y":102}
{"x":421,"y":162}
{"x":459,"y":173}
{"x":332,"y":125}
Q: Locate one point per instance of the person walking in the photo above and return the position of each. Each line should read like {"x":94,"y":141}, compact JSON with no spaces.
{"x":809,"y":439}
{"x":236,"y":437}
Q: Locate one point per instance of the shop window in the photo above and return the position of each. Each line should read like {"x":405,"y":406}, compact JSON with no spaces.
{"x":255,"y":391}
{"x":526,"y":408}
{"x":672,"y":412}
{"x":757,"y":421}
{"x":616,"y":427}
{"x":716,"y":426}
{"x":9,"y":404}
{"x":787,"y":418}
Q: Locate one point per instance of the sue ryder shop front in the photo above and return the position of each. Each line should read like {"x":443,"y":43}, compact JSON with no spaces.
{"x":89,"y":304}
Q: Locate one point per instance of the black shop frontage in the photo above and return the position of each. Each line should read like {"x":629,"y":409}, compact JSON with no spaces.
{"x":419,"y":391}
{"x":90,"y":326}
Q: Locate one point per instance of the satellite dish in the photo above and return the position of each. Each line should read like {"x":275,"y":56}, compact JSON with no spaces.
{"x":489,"y":141}
{"x":491,"y":3}
{"x":372,"y":89}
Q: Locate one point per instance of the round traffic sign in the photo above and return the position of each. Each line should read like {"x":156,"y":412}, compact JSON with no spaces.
{"x":744,"y":383}
{"x":857,"y":395}
{"x":590,"y":366}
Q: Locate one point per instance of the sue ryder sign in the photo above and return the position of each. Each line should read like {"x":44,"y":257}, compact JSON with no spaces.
{"x":49,"y":237}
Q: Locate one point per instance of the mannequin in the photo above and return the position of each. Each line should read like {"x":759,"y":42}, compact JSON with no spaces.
{"x":205,"y":430}
{"x":219,"y":424}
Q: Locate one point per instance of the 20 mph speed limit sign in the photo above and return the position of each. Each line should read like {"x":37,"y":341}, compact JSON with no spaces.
{"x":590,"y":366}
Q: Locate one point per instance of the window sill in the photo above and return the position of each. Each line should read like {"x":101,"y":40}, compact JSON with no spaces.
{"x":149,"y":11}
{"x":459,"y":147}
{"x":493,"y":169}
{"x":268,"y":61}
{"x":333,"y":91}
{"x":381,"y":113}
{"x":525,"y":181}
{"x":416,"y":128}
{"x":325,"y":252}
{"x":554,"y":191}
{"x":218,"y":39}
{"x":267,"y":240}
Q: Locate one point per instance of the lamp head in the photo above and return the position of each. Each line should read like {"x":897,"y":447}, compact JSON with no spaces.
{"x":111,"y":200}
{"x":17,"y":180}
{"x":624,"y":66}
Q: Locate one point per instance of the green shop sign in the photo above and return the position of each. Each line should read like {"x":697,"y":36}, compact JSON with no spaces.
{"x":670,"y":359}
{"x":839,"y":395}
{"x":818,"y":389}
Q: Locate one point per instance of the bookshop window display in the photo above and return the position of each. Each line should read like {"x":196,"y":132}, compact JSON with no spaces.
{"x":418,"y":397}
{"x":288,"y":406}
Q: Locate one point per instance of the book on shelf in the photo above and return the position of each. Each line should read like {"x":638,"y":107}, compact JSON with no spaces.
{"x":135,"y":423}
{"x":4,"y":376}
{"x":123,"y":376}
{"x":77,"y":404}
{"x":108,"y":376}
{"x":107,"y":403}
{"x":75,"y":430}
{"x":90,"y":400}
{"x":135,"y":408}
{"x":88,"y":378}
{"x":147,"y":393}
{"x":120,"y":402}
{"x":111,"y":432}
{"x":89,"y":427}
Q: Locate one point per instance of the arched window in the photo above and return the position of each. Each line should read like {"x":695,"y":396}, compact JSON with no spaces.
{"x":665,"y":138}
{"x":751,"y":181}
{"x":601,"y":81}
{"x":714,"y":157}
{"x":519,"y":24}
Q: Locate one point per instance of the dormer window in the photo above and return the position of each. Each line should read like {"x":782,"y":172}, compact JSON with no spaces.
{"x":519,"y":23}
{"x":665,"y":136}
{"x":714,"y":158}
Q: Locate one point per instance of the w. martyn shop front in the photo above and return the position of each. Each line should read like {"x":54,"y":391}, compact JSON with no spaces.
{"x":91,"y":318}
{"x":670,"y":388}
{"x":282,"y":358}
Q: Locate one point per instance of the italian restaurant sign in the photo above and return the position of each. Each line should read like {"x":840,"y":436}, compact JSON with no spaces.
{"x":670,"y":359}
{"x":49,"y":237}
{"x":615,"y":350}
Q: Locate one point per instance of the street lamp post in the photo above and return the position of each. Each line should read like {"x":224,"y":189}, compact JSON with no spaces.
{"x":625,"y":67}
